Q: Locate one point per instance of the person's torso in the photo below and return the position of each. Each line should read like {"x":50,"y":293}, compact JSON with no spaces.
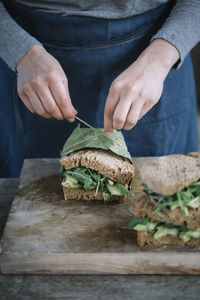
{"x":111,"y":9}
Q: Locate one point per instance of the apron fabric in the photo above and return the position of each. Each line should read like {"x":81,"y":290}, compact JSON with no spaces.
{"x":93,"y":52}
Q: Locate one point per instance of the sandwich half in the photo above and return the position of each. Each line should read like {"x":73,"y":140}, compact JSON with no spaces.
{"x":93,"y":169}
{"x":169,"y":211}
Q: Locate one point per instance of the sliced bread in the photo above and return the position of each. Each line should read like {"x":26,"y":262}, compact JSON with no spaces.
{"x":115,"y":167}
{"x":146,"y":239}
{"x":172,"y":173}
{"x":144,"y":206}
{"x":80,"y":194}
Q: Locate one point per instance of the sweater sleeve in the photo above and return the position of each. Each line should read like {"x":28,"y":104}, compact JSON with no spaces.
{"x":182,"y":27}
{"x":14,"y":40}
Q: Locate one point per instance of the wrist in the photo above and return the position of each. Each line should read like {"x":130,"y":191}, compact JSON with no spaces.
{"x":162,"y":54}
{"x":34,"y":50}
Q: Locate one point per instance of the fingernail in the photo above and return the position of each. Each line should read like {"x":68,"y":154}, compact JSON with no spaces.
{"x":71,"y":120}
{"x":109,"y":133}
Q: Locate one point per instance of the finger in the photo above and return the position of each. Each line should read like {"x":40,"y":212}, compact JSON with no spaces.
{"x":60,"y":92}
{"x":147,"y":106}
{"x":134,"y":113}
{"x":26,"y":101}
{"x":47,"y":99}
{"x":49,"y":103}
{"x":121,"y":111}
{"x":111,"y":103}
{"x":35,"y":102}
{"x":127,"y":97}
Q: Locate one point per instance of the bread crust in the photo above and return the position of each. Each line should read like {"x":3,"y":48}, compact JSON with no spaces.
{"x":170,"y":174}
{"x":146,"y":239}
{"x":109,"y":164}
{"x":194,"y":154}
{"x":80,"y":194}
{"x":144,"y":206}
{"x":166,"y":176}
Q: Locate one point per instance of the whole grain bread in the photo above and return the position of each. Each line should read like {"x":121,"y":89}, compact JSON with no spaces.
{"x":80,"y":194}
{"x":144,"y":206}
{"x":146,"y":239}
{"x":194,"y":154}
{"x":172,"y":173}
{"x":109,"y":164}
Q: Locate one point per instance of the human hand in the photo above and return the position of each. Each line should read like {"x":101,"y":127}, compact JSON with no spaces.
{"x":136,"y":90}
{"x":42,"y":85}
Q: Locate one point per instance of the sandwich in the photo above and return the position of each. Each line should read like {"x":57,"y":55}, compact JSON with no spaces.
{"x":168,"y":212}
{"x":96,"y":167}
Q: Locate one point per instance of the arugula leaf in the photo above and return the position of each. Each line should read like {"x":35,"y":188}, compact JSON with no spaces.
{"x":181,"y":204}
{"x":83,"y":177}
{"x":189,"y":197}
{"x":194,"y":203}
{"x":92,"y":180}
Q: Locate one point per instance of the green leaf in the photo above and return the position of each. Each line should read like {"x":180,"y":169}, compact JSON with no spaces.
{"x":164,"y":230}
{"x":93,"y":139}
{"x":123,"y":189}
{"x":140,"y":227}
{"x":181,"y":204}
{"x":117,"y":189}
{"x":71,"y":186}
{"x":195,"y":202}
{"x":185,"y":237}
{"x":151,"y":226}
{"x":161,"y":229}
{"x":194,"y":233}
{"x":106,"y":196}
{"x":90,"y":180}
{"x":183,"y":227}
{"x":85,"y":179}
{"x":136,"y":221}
{"x":189,"y":197}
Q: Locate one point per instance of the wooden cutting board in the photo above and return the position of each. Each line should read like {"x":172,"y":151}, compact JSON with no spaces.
{"x":47,"y":235}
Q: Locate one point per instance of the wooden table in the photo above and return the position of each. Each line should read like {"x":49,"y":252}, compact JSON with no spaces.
{"x":89,"y":286}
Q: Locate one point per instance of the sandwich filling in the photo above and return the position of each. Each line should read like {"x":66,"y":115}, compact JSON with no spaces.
{"x":187,"y":198}
{"x":160,"y":229}
{"x":88,"y":179}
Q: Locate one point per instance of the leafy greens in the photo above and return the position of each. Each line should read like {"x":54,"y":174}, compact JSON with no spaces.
{"x":88,"y":179}
{"x":89,"y":138}
{"x":189,"y":197}
{"x":160,"y":229}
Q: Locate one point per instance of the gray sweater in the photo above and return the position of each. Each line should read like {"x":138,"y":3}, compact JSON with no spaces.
{"x":181,"y":28}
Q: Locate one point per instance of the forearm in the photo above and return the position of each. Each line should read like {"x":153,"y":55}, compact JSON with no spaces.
{"x":14,"y":41}
{"x":181,"y":28}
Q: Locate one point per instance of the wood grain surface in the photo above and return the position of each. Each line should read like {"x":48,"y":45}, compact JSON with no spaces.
{"x":45,"y":234}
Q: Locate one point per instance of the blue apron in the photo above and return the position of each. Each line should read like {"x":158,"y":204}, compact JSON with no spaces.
{"x":93,"y":52}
